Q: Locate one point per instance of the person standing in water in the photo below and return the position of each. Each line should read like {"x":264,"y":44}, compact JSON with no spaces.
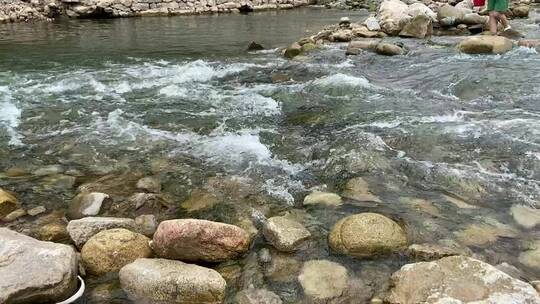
{"x":496,"y":9}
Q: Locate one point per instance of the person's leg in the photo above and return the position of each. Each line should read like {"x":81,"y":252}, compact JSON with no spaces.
{"x":504,"y":21}
{"x":493,"y":22}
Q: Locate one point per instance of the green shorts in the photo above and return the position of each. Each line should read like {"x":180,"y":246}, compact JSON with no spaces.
{"x":497,"y":5}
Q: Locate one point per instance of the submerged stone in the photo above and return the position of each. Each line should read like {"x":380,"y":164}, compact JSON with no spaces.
{"x":366,"y":235}
{"x":323,"y":198}
{"x":358,"y":189}
{"x":257,"y":296}
{"x":323,"y":280}
{"x":293,"y":50}
{"x":285,"y":234}
{"x":82,"y":230}
{"x":527,"y":217}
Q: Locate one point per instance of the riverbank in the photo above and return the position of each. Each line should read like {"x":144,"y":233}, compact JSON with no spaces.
{"x":246,"y":177}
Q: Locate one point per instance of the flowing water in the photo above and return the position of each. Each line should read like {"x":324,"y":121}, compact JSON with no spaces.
{"x":448,"y":142}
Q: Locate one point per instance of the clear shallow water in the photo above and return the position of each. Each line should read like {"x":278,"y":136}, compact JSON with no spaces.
{"x":129,"y":95}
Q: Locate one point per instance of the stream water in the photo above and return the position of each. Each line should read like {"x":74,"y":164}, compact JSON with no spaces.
{"x":448,"y":142}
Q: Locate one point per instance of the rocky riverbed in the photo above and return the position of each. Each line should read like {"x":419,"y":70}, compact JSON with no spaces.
{"x":390,"y":158}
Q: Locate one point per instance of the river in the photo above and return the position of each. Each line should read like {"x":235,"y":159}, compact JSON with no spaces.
{"x":448,"y":142}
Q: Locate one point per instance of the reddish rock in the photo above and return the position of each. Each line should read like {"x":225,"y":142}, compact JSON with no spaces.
{"x":199,"y":240}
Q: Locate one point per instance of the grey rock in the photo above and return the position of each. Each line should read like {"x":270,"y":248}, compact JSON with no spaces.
{"x":82,"y":230}
{"x":86,"y":204}
{"x":285,"y":234}
{"x":167,"y":281}
{"x":257,"y":296}
{"x":33,"y":271}
{"x":146,"y":224}
{"x":149,"y":184}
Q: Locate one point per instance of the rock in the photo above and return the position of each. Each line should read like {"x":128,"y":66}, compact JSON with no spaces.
{"x":511,"y":34}
{"x":8,"y":203}
{"x":342,"y":35}
{"x":480,"y":234}
{"x":448,"y":21}
{"x":525,"y":216}
{"x":110,"y":250}
{"x":430,"y":251}
{"x":372,"y":24}
{"x":417,"y":9}
{"x":149,"y":184}
{"x":389,"y":49}
{"x":364,"y":32}
{"x":293,"y":50}
{"x":323,"y":280}
{"x":530,"y":43}
{"x":358,"y":189}
{"x":366,"y":235}
{"x":282,"y":268}
{"x":257,"y":296}
{"x":344,"y":22}
{"x":15,"y":172}
{"x":521,"y":11}
{"x":33,"y":271}
{"x":146,"y":224}
{"x":308,"y":47}
{"x":474,"y":18}
{"x":448,"y":11}
{"x":323,"y":198}
{"x":82,"y":230}
{"x":166,"y":281}
{"x":86,"y":204}
{"x":36,"y":211}
{"x":392,"y":16}
{"x":254,"y":46}
{"x":306,"y":40}
{"x":54,"y":232}
{"x":58,"y":182}
{"x":485,"y":45}
{"x":531,"y":257}
{"x":356,"y":46}
{"x":285,"y":234}
{"x":200,"y":200}
{"x":536,"y":285}
{"x":419,"y":27}
{"x":510,"y":270}
{"x":458,"y":202}
{"x":49,"y":170}
{"x":14,"y":215}
{"x":199,"y":240}
{"x":457,"y":279}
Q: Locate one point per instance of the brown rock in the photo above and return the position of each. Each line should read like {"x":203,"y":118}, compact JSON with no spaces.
{"x":293,"y":50}
{"x":199,"y":240}
{"x":389,"y":49}
{"x":485,"y":45}
{"x":8,"y":203}
{"x":110,"y":250}
{"x":420,"y":27}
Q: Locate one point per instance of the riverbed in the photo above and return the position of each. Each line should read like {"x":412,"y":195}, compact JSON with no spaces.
{"x":447,"y":142}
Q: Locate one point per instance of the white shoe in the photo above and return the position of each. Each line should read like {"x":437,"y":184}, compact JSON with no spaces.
{"x":508,"y":28}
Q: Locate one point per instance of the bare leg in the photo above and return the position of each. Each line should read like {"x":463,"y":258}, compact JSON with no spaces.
{"x":504,"y":21}
{"x":493,"y":22}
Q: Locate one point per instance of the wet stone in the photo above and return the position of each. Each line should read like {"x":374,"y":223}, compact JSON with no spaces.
{"x":149,"y":184}
{"x":82,"y":230}
{"x":8,"y":203}
{"x":285,"y":234}
{"x":37,"y":210}
{"x":86,"y":204}
{"x":14,"y":215}
{"x":323,"y":280}
{"x":49,"y":170}
{"x":257,"y":296}
{"x":527,"y":217}
{"x":323,"y":198}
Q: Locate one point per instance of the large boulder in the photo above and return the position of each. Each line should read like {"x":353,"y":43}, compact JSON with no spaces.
{"x":474,"y":18}
{"x":520,"y":11}
{"x":8,"y":203}
{"x":323,"y":280}
{"x":366,"y":235}
{"x":457,"y":279}
{"x":485,"y":45}
{"x":33,"y":271}
{"x":110,"y":250}
{"x":392,"y":16}
{"x":199,"y":240}
{"x":452,"y":12}
{"x":86,"y":204}
{"x":285,"y":234}
{"x":167,"y":281}
{"x":420,"y":27}
{"x":82,"y":230}
{"x":418,"y":8}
